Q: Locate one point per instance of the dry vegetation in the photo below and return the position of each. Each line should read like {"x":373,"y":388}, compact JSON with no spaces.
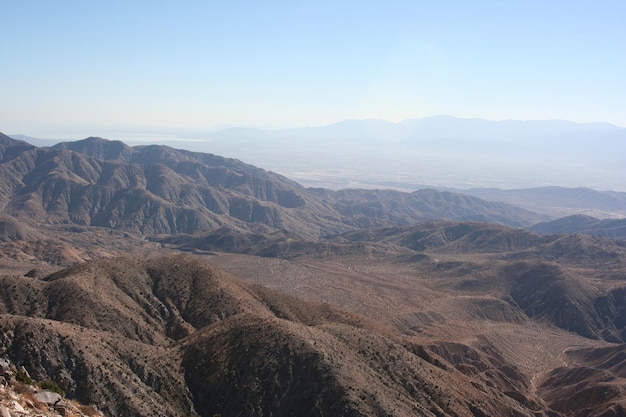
{"x":434,"y":333}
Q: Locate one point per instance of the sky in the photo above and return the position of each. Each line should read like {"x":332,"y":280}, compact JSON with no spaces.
{"x":194,"y":65}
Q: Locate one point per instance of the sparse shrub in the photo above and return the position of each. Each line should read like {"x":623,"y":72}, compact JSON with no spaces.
{"x":35,"y":402}
{"x":22,"y":376}
{"x":27,"y":393}
{"x":50,"y":385}
{"x":89,"y":410}
{"x":22,"y":388}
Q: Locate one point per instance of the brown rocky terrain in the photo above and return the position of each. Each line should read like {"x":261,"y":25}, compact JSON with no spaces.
{"x":292,"y":303}
{"x":426,"y":331}
{"x":171,"y":336}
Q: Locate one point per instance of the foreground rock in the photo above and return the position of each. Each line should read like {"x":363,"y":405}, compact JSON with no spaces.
{"x":21,"y":399}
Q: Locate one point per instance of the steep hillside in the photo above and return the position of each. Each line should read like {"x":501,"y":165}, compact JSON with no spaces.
{"x":21,"y":396}
{"x":591,"y":383}
{"x":154,"y":190}
{"x":176,"y":335}
{"x":9,"y":147}
{"x":548,"y":292}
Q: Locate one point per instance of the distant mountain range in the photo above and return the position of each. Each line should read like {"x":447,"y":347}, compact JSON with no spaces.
{"x":157,"y":189}
{"x":440,"y":151}
{"x":558,"y":201}
{"x":613,"y":228}
{"x":437,"y":130}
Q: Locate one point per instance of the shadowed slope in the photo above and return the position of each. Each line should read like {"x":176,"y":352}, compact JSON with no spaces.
{"x":592,"y":384}
{"x":371,"y":208}
{"x":613,"y":228}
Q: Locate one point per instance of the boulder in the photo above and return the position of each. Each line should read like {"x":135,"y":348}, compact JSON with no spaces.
{"x":4,"y":365}
{"x":48,"y":397}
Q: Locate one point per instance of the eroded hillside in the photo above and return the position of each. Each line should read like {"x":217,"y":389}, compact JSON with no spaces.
{"x":177,"y":335}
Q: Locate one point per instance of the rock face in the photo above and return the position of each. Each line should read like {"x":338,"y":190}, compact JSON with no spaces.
{"x":48,"y":397}
{"x":26,"y":399}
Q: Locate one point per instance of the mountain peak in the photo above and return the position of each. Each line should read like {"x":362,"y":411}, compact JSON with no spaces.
{"x":99,"y":148}
{"x":8,"y":141}
{"x":10,"y":147}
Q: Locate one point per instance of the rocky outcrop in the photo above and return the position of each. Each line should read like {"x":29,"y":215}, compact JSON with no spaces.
{"x":20,"y":396}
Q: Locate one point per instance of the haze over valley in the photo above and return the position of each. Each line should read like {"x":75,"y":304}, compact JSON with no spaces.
{"x":440,"y":151}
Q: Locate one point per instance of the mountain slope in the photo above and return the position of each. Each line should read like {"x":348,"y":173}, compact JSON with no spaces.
{"x":371,"y":208}
{"x":591,"y":385}
{"x":613,"y":228}
{"x":161,"y":190}
{"x":175,"y":335}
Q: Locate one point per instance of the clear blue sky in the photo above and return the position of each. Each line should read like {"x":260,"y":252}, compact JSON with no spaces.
{"x":197,"y":64}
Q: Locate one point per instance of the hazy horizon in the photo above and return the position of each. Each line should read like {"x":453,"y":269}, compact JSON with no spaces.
{"x":120,"y":132}
{"x":441,"y":151}
{"x":179,"y":73}
{"x":197,"y":65}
